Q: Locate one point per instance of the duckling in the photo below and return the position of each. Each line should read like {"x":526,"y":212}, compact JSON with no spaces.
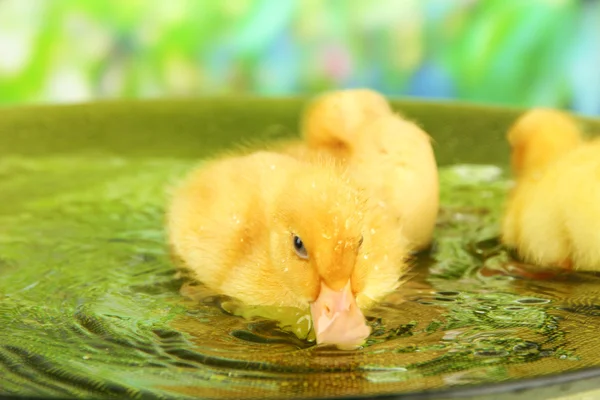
{"x":539,"y":137}
{"x":269,"y":229}
{"x":552,"y":216}
{"x":331,"y":120}
{"x":389,"y":156}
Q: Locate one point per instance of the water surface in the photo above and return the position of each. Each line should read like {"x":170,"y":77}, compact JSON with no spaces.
{"x":90,"y":304}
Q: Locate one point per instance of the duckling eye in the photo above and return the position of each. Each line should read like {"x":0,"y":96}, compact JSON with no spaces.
{"x":299,"y":247}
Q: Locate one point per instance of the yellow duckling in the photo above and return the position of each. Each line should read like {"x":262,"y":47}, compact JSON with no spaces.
{"x":270,"y":229}
{"x":552,"y":217}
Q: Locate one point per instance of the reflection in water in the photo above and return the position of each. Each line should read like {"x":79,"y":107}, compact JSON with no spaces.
{"x":90,"y":305}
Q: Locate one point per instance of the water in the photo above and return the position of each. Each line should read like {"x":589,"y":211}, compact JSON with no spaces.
{"x":90,"y":304}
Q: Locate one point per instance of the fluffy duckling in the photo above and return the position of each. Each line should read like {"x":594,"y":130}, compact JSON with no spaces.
{"x":331,"y":120}
{"x":270,"y":229}
{"x":552,"y":216}
{"x":388,"y":156}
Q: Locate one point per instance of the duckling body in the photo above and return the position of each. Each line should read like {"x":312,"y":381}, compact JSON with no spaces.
{"x":552,"y":217}
{"x":394,"y":162}
{"x":270,"y":229}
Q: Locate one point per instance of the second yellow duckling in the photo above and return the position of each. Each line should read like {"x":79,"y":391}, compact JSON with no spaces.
{"x":552,"y":216}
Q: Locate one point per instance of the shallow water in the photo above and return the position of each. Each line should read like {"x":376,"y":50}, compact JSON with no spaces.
{"x":90,"y":305}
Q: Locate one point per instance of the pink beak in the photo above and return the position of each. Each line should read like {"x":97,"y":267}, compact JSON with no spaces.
{"x":337,"y":319}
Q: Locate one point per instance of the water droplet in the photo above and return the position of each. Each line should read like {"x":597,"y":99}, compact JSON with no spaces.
{"x":366,"y":256}
{"x":285,"y":269}
{"x":272,"y":166}
{"x":372,"y":231}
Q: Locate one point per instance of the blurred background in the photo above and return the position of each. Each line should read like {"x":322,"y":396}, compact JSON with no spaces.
{"x":510,"y":52}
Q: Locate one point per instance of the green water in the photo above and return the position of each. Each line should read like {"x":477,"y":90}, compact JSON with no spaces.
{"x":90,"y":305}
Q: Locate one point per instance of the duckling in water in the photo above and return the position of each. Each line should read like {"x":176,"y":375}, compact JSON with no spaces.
{"x":388,"y":156}
{"x":270,"y":229}
{"x":552,"y":217}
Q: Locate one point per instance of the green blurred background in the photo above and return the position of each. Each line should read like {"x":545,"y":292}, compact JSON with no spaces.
{"x":511,"y":52}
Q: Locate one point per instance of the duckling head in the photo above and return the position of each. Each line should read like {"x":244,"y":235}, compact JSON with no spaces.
{"x":539,"y":137}
{"x":330,"y":121}
{"x":317,"y":231}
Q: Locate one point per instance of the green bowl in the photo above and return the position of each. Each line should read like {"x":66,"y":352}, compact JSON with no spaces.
{"x":90,"y":307}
